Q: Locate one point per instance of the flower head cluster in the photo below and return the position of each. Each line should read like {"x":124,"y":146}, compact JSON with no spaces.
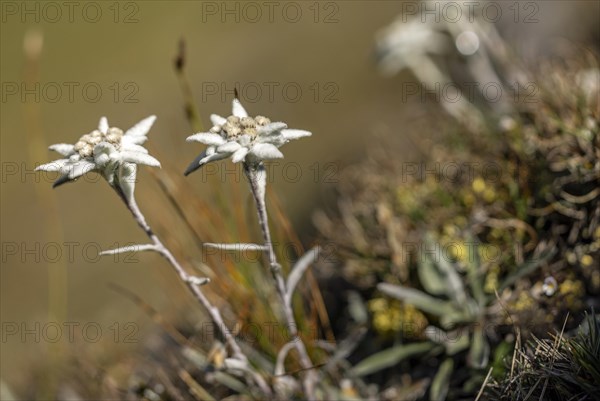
{"x":244,"y":138}
{"x":107,"y":150}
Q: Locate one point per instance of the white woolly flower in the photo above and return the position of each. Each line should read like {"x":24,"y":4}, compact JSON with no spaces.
{"x":403,"y":44}
{"x":108,"y":151}
{"x":243,"y":138}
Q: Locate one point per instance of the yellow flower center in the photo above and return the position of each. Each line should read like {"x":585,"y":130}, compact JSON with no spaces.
{"x":236,"y":126}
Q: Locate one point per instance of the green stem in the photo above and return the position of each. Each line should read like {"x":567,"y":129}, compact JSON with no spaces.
{"x":257,"y":188}
{"x":192,"y":282}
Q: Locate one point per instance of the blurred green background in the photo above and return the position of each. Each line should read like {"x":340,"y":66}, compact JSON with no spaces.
{"x":128,"y":53}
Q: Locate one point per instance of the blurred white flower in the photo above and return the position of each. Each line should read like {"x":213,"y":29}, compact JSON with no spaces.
{"x":246,"y":139}
{"x":409,"y":42}
{"x":404,"y":44}
{"x":467,"y":43}
{"x":108,"y":151}
{"x":550,"y":286}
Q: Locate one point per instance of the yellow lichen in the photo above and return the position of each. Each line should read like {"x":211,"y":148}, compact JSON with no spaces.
{"x":378,"y":304}
{"x":524,"y":302}
{"x":491,"y":279}
{"x":478,"y":185}
{"x":391,"y":317}
{"x":458,"y":250}
{"x":489,"y":195}
{"x":468,"y":198}
{"x":571,"y":291}
{"x":586,"y":260}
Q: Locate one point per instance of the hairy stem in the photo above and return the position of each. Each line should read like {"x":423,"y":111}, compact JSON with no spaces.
{"x":257,"y":181}
{"x":193,"y":283}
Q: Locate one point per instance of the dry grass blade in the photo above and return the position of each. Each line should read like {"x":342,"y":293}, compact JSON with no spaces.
{"x":151,"y":312}
{"x":485,"y":382}
{"x":191,"y":109}
{"x":195,"y":389}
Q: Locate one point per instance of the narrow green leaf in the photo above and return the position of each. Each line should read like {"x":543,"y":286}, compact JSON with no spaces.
{"x":357,"y":308}
{"x":390,"y":357}
{"x":454,"y":341}
{"x":418,"y":299}
{"x":479,"y":353}
{"x":431,"y":278}
{"x":441,"y":381}
{"x":454,"y":284}
{"x":450,"y":320}
{"x":231,"y":382}
{"x":526,"y":268}
{"x":474,"y":277}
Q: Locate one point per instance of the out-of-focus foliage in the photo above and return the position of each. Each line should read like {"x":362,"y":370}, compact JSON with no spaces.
{"x":495,"y":227}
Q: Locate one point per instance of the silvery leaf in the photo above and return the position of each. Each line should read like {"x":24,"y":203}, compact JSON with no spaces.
{"x":240,"y":247}
{"x":217,"y":119}
{"x":62,"y":180}
{"x":202,"y":159}
{"x":290,"y":134}
{"x":127,"y":177}
{"x":103,"y":125}
{"x":133,"y":140}
{"x":80,"y":168}
{"x":298,"y":270}
{"x":130,"y":248}
{"x":271,"y":128}
{"x":198,"y":280}
{"x":238,"y":109}
{"x":139,"y":158}
{"x":64,"y":149}
{"x":229,"y":147}
{"x":141,"y":128}
{"x":277,"y":139}
{"x":207,"y":138}
{"x":265,"y":151}
{"x":56,"y":165}
{"x":281,"y":356}
{"x":232,"y":363}
{"x":135,"y":148}
{"x":239,"y":155}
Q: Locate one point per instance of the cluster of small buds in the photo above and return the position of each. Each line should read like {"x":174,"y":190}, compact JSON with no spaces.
{"x":85,"y":145}
{"x":236,"y":126}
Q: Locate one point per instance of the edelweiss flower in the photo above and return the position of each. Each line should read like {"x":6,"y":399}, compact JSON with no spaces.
{"x":403,"y":44}
{"x":244,"y":138}
{"x":108,"y":151}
